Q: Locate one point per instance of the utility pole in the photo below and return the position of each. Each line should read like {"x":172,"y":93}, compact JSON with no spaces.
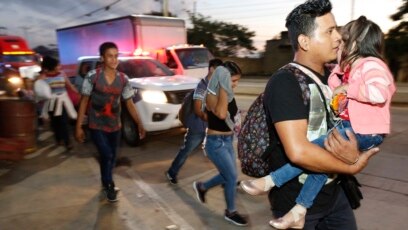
{"x":352,"y":9}
{"x":194,"y":8}
{"x":165,"y":8}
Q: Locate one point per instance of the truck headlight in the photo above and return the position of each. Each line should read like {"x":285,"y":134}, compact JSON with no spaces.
{"x":154,"y":96}
{"x":15,"y":81}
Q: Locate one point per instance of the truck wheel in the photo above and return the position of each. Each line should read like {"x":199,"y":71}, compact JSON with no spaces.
{"x":130,"y":130}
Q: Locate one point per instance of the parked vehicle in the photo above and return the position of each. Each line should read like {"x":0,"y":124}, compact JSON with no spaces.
{"x":15,"y":53}
{"x":163,"y":38}
{"x":158,"y":97}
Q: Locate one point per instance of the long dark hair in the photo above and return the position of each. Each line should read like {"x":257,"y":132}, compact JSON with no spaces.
{"x":232,"y":67}
{"x":362,"y":38}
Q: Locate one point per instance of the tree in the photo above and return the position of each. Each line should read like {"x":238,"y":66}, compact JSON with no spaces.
{"x":221,"y":38}
{"x":396,"y":42}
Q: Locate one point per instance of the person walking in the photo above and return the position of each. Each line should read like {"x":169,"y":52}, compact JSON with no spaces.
{"x":296,"y":121}
{"x":196,"y":125}
{"x":59,"y":107}
{"x":103,"y":89}
{"x":222,"y":112}
{"x":364,"y":112}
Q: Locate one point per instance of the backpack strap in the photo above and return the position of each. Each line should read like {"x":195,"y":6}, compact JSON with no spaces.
{"x":98,"y":72}
{"x":122,"y":78}
{"x":325,"y":92}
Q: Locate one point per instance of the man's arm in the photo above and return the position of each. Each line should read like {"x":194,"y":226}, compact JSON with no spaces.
{"x":305,"y":154}
{"x":218,"y":104}
{"x":197,"y":109}
{"x":133,"y":113}
{"x":79,"y":132}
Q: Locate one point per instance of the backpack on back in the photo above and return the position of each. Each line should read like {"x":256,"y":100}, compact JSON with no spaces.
{"x":187,"y":108}
{"x":254,"y":142}
{"x":255,"y":145}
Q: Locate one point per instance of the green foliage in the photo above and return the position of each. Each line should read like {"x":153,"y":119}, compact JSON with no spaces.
{"x":396,"y":42}
{"x":221,"y":38}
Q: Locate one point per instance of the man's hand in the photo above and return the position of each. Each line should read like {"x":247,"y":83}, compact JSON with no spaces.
{"x":142,"y":131}
{"x":80,"y":135}
{"x":363,"y":160}
{"x":347,"y":150}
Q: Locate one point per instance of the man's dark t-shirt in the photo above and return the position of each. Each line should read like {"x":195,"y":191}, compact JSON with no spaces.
{"x":283,"y":101}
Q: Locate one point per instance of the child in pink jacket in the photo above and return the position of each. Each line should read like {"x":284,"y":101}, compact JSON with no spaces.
{"x":362,"y":87}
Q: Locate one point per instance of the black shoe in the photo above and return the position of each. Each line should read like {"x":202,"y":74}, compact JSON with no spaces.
{"x":199,"y":192}
{"x":117,"y":189}
{"x":235,"y":218}
{"x":111,"y":193}
{"x":172,"y":180}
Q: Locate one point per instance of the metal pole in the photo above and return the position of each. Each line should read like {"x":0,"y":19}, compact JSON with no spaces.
{"x":194,"y":8}
{"x":165,"y":8}
{"x":352,"y":9}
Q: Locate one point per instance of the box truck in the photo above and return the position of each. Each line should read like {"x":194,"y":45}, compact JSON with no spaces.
{"x":163,"y":38}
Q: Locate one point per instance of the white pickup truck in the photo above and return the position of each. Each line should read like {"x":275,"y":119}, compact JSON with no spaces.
{"x":158,"y":93}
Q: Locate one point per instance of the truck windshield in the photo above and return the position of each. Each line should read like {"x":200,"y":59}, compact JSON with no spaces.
{"x":136,"y":68}
{"x":193,"y":58}
{"x":18,"y":58}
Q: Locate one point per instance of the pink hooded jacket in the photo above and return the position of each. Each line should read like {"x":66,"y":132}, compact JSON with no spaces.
{"x":371,"y":87}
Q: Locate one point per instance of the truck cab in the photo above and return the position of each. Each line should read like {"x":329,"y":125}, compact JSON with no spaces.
{"x":15,"y":53}
{"x":190,"y":60}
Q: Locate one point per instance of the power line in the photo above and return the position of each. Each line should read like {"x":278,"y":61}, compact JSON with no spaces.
{"x":106,"y":7}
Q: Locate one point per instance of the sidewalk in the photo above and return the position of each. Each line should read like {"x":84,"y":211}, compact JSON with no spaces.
{"x":255,"y":85}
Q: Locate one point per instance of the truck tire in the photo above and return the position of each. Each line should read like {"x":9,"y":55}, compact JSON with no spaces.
{"x":130,"y":130}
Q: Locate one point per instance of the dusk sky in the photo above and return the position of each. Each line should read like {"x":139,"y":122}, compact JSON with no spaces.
{"x":37,"y":20}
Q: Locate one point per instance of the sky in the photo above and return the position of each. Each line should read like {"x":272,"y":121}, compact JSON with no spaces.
{"x":37,"y":20}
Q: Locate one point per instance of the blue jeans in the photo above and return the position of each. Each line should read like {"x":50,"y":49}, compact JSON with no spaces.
{"x":106,"y":144}
{"x":339,"y":216}
{"x":221,"y":152}
{"x":315,"y":181}
{"x":191,"y":141}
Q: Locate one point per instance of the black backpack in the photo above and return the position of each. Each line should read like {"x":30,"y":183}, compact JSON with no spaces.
{"x":187,"y":107}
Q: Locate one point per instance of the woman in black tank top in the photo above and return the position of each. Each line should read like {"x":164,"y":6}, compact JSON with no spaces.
{"x":222,"y":109}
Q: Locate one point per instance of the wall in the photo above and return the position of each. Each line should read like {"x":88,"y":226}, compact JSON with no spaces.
{"x":249,"y":66}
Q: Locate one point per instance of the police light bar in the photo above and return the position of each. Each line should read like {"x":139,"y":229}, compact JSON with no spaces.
{"x":140,"y":52}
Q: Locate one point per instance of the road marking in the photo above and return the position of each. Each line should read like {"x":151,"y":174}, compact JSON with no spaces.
{"x":159,"y":202}
{"x":38,"y":152}
{"x":125,"y":208}
{"x":57,"y":151}
{"x":45,"y":135}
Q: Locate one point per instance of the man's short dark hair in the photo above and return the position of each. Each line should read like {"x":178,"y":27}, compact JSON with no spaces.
{"x":214,"y":63}
{"x":302,"y":19}
{"x":105,"y":46}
